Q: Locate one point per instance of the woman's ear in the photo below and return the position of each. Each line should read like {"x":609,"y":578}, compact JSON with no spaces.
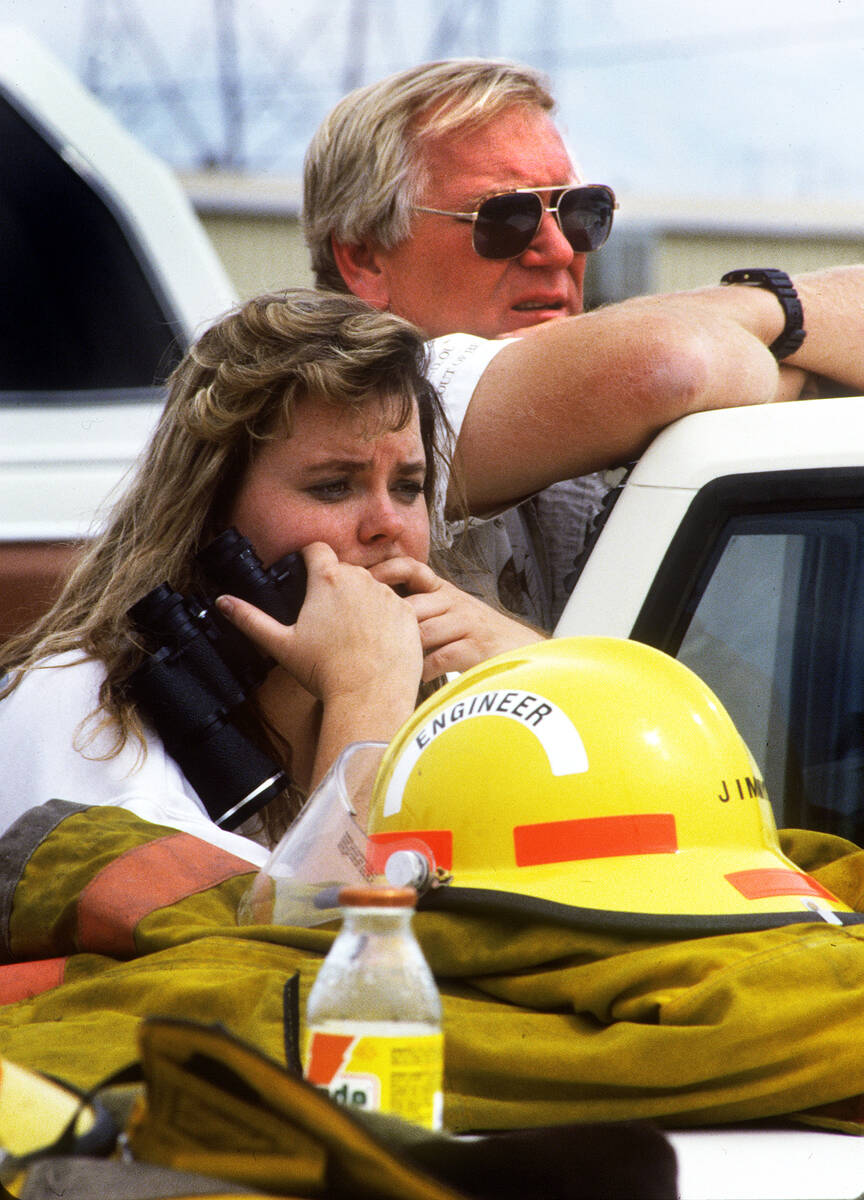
{"x":361,"y":269}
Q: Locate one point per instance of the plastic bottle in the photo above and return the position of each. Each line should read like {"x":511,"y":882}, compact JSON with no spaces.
{"x":373,"y":1019}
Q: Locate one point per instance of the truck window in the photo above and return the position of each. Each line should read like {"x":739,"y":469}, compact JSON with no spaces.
{"x":79,"y":310}
{"x":769,"y":611}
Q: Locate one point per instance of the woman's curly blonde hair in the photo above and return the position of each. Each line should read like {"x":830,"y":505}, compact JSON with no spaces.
{"x":238,"y":386}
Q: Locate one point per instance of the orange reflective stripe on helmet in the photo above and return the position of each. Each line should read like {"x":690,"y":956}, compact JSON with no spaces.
{"x":434,"y":844}
{"x":594,"y":837}
{"x":544,"y":841}
{"x":756,"y":885}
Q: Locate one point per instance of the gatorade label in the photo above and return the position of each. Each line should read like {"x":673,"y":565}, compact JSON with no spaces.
{"x":391,"y":1074}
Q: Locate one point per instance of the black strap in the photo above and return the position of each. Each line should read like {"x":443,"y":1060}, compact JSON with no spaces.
{"x":783,"y":288}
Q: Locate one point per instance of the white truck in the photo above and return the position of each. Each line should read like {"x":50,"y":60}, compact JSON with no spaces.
{"x":736,"y":543}
{"x":106,"y":275}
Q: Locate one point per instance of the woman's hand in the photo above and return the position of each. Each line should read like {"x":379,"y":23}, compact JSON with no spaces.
{"x":352,"y":632}
{"x":355,"y":648}
{"x":457,"y":630}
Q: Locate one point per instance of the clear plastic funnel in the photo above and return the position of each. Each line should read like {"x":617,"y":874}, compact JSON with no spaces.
{"x":325,"y":848}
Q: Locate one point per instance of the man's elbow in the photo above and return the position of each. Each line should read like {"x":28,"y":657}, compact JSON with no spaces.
{"x":697,"y":370}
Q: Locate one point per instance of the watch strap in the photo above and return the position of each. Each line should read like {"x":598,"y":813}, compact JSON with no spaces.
{"x":783,"y":288}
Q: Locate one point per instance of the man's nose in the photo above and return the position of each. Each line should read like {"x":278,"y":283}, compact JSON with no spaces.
{"x":549,"y":247}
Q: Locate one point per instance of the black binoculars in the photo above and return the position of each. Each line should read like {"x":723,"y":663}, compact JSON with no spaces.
{"x":199,"y":670}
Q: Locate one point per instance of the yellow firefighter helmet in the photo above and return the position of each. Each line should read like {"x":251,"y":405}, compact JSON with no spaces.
{"x":596,"y":779}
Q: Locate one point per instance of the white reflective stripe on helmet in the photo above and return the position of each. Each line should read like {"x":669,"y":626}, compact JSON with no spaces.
{"x":556,"y":733}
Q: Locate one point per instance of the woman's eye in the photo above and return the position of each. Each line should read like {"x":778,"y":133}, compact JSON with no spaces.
{"x":409,"y":489}
{"x":331,"y":489}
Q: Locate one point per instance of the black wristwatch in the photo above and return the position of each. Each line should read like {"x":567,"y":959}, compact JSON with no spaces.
{"x":781,"y":285}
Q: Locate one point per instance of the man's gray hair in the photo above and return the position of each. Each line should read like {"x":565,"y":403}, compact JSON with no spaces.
{"x":363,"y":170}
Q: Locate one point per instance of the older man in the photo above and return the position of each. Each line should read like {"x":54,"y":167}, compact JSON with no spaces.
{"x":445,"y":194}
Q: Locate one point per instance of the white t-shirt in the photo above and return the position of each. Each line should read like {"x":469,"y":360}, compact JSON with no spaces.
{"x":44,"y":758}
{"x":527,"y":554}
{"x":456,"y":363}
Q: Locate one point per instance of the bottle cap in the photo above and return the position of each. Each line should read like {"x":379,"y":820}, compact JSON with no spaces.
{"x":377,"y":897}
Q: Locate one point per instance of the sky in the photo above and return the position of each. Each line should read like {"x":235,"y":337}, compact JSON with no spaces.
{"x":755,"y":98}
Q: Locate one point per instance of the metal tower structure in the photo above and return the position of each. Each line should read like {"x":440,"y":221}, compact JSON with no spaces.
{"x":232,"y":82}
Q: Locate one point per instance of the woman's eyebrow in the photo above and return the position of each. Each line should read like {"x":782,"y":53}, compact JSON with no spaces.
{"x":339,"y":464}
{"x":362,"y":464}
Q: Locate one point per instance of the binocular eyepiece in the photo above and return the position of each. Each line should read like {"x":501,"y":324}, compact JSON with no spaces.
{"x":200,"y":669}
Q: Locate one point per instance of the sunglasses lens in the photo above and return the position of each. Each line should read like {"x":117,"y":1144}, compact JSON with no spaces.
{"x":585,"y":214}
{"x":506,"y":224}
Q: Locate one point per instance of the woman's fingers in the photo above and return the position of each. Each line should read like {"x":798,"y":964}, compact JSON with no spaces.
{"x":265,"y":631}
{"x":457,"y":630}
{"x":352,"y":633}
{"x":406,"y":575}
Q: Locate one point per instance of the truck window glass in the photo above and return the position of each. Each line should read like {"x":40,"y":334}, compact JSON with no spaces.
{"x":775,"y":625}
{"x":78,"y":311}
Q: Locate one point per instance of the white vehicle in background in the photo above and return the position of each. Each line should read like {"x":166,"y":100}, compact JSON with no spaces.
{"x":106,"y":275}
{"x":736,"y":543}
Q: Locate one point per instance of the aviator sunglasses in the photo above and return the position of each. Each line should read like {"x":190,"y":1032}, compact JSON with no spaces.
{"x":506,"y":224}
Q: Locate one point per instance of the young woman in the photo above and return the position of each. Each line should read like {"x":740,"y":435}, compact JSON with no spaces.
{"x":305,"y":421}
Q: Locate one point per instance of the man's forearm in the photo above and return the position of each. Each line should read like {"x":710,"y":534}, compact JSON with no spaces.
{"x":590,"y":391}
{"x":833,"y":303}
{"x":833,"y":306}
